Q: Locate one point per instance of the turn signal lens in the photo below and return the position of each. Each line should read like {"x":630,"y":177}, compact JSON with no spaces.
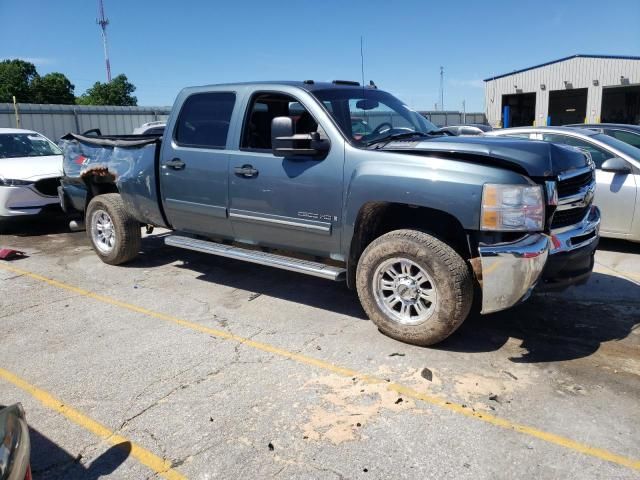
{"x":512,"y":208}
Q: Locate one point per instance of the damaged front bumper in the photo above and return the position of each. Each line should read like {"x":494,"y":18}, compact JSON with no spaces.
{"x":509,"y":271}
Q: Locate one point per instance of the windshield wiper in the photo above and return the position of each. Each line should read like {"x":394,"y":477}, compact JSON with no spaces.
{"x":397,"y":136}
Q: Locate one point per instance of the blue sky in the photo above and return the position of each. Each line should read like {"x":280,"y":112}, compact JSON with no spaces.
{"x":164,"y":45}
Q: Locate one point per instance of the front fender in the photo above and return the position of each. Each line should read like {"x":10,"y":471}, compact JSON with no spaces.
{"x":450,"y":186}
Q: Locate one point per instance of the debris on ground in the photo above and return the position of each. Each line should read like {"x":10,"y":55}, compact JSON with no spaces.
{"x":493,"y":397}
{"x":397,"y":354}
{"x":271,"y":447}
{"x":426,"y":374}
{"x":10,"y":254}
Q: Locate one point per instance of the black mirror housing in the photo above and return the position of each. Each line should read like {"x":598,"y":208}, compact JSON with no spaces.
{"x":285,"y":143}
{"x":616,"y":165}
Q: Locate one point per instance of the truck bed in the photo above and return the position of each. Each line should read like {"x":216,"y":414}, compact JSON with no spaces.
{"x":131,"y":162}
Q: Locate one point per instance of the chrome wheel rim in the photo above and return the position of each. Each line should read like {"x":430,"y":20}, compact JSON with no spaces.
{"x":404,"y":291}
{"x":103,"y":233}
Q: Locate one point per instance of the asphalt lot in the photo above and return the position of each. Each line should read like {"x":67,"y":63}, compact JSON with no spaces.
{"x":186,"y":365}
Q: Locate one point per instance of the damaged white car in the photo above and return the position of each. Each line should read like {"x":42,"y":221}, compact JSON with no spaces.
{"x":30,"y":171}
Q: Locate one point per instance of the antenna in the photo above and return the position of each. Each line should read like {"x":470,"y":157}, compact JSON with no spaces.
{"x":103,"y":21}
{"x":362,"y":59}
{"x":442,"y":88}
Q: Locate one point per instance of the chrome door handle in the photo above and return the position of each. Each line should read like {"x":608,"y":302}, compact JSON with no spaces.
{"x":246,"y":171}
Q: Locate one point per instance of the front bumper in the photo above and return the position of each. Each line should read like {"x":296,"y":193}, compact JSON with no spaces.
{"x":23,"y":200}
{"x":510,"y":271}
{"x":572,"y":256}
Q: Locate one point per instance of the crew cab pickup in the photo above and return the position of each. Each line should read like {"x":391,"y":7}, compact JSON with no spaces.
{"x":345,"y":182}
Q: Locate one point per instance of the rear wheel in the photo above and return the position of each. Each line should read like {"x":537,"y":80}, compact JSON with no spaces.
{"x":414,"y":287}
{"x":113,"y":232}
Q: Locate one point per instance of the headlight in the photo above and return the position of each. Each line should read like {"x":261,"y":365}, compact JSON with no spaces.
{"x":512,"y":208}
{"x":8,"y":182}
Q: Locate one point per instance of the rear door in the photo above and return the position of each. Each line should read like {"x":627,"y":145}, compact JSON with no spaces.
{"x":194,"y":165}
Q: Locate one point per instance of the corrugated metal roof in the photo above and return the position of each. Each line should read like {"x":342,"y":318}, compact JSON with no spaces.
{"x":579,"y":55}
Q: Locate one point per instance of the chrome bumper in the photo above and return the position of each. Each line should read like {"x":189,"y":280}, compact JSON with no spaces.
{"x":511,"y":270}
{"x":577,"y":236}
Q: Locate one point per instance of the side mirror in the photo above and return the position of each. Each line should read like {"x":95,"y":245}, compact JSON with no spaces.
{"x":285,"y":143}
{"x":616,"y":165}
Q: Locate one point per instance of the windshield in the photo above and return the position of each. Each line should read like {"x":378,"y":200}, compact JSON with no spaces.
{"x":368,"y":115}
{"x":14,"y":145}
{"x":625,"y":148}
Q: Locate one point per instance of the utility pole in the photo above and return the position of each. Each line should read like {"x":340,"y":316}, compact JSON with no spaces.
{"x":464,"y":112}
{"x":441,"y":88}
{"x":103,"y":21}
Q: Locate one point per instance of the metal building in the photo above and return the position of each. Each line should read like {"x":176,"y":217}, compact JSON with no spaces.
{"x":576,"y":89}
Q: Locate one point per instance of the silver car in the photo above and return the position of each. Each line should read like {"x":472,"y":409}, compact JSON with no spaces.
{"x":617,"y":174}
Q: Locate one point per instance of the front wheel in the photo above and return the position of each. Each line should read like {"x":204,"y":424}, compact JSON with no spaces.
{"x":113,"y":232}
{"x":414,"y":287}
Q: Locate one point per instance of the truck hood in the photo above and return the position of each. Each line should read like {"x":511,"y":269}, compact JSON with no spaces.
{"x":31,"y":168}
{"x":531,"y":157}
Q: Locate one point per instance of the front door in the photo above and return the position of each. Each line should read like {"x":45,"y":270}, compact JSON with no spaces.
{"x":292,"y":202}
{"x":194,"y":165}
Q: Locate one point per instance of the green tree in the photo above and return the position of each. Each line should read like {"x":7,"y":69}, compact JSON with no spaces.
{"x":16,"y":77}
{"x":116,"y":92}
{"x":52,"y":88}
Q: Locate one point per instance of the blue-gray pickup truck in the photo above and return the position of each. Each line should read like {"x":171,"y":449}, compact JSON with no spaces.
{"x":345,"y":182}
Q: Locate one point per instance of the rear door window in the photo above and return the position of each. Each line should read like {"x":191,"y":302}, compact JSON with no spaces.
{"x":204,"y":120}
{"x":632,"y":139}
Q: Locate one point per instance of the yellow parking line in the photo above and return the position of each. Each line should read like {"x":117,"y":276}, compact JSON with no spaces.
{"x":552,"y":438}
{"x":144,"y":456}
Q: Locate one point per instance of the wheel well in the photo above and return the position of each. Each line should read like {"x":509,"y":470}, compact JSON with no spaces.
{"x":99,"y":185}
{"x":377,"y":218}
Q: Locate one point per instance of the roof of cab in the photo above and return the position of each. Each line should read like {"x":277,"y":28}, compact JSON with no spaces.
{"x":308,"y":85}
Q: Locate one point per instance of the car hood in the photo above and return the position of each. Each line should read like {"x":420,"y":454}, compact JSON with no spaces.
{"x":31,"y":168}
{"x":531,"y":157}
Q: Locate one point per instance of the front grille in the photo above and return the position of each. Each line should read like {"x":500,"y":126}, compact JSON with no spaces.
{"x":577,"y":191}
{"x":564,"y":218}
{"x":572,"y":185}
{"x":48,"y":186}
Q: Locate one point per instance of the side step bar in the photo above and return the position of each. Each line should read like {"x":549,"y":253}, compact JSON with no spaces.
{"x":262,"y":258}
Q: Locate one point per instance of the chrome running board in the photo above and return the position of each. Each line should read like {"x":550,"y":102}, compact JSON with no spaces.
{"x":262,"y":258}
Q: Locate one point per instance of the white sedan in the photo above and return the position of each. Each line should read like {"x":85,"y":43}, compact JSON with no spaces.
{"x":30,"y":171}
